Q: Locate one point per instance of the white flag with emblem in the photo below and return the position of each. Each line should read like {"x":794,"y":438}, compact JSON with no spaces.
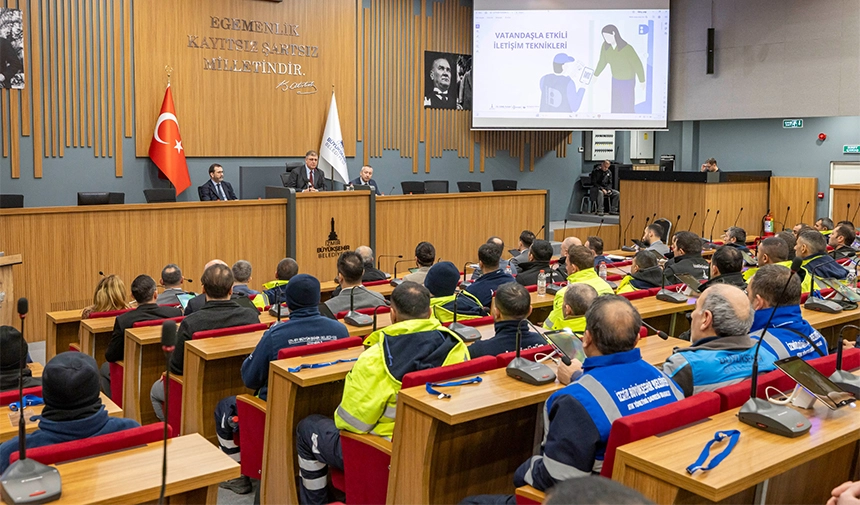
{"x":332,"y":157}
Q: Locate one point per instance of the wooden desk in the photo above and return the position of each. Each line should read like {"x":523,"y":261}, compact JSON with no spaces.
{"x":798,"y":470}
{"x":95,"y":335}
{"x":8,"y":429}
{"x":194,"y":470}
{"x":212,"y":372}
{"x":61,"y":329}
{"x":143,"y":363}
{"x":291,"y":398}
{"x":383,"y":289}
{"x":706,"y":253}
{"x":36,"y":369}
{"x":9,"y":307}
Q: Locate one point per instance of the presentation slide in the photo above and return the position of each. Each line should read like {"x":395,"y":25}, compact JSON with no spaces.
{"x":570,"y":69}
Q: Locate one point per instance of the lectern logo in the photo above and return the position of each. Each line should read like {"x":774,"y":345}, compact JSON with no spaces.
{"x":332,"y":247}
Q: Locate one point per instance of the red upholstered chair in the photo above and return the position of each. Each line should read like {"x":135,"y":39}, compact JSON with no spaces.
{"x":481,"y":321}
{"x":635,"y":295}
{"x":504,"y":359}
{"x":93,"y":446}
{"x":614,"y":277}
{"x":7,"y":397}
{"x":366,"y":458}
{"x":732,"y":397}
{"x":252,"y":411}
{"x":655,"y":421}
{"x":156,"y":322}
{"x":368,"y":311}
{"x":376,"y":283}
{"x":621,"y":263}
{"x":108,"y":313}
{"x":232,"y":330}
{"x":117,"y":376}
{"x":827,"y":364}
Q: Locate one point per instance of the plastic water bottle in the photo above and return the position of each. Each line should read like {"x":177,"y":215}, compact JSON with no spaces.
{"x":601,"y":270}
{"x":541,"y":283}
{"x":508,"y":269}
{"x":852,"y":280}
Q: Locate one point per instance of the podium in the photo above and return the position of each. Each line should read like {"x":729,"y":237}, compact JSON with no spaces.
{"x":7,"y":289}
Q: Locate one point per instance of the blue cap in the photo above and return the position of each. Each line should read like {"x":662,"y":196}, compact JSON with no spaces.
{"x":562,"y":58}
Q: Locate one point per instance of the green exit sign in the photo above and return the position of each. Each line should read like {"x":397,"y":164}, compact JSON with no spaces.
{"x":792,"y":123}
{"x":855,"y":149}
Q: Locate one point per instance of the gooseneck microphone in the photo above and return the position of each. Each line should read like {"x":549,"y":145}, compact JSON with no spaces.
{"x":168,"y":345}
{"x":624,"y":234}
{"x":704,"y":222}
{"x":467,"y":333}
{"x":739,"y":216}
{"x":762,"y":414}
{"x":540,"y":230}
{"x":392,"y":190}
{"x":356,"y":318}
{"x":845,"y":380}
{"x":711,"y":235}
{"x":27,"y":480}
{"x":661,"y":334}
{"x":804,"y":211}
{"x":465,"y":284}
{"x":394,"y":280}
{"x":667,"y":295}
{"x":785,"y":219}
{"x":379,"y":258}
{"x":690,"y":228}
{"x":528,"y":371}
{"x":376,"y":311}
{"x":848,"y":211}
{"x":564,"y":230}
{"x":677,"y":225}
{"x":599,"y":227}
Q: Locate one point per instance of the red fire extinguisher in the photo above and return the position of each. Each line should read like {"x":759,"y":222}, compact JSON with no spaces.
{"x":768,"y":224}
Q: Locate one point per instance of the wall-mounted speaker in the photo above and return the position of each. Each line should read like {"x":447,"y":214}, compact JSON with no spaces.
{"x":710,"y":50}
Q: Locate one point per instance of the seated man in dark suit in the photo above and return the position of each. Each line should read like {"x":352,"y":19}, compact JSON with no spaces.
{"x":144,"y":292}
{"x":216,"y":188}
{"x":371,"y":273}
{"x":540,"y":253}
{"x":365,"y":178}
{"x":309,"y":177}
{"x":493,"y":276}
{"x":511,"y":306}
{"x":219,"y":311}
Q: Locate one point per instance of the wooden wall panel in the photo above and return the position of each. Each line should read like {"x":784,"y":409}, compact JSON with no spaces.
{"x":456,"y":223}
{"x":794,"y":192}
{"x":609,"y":233}
{"x":227,"y":113}
{"x":843,"y":195}
{"x":314,"y":212}
{"x":64,"y":248}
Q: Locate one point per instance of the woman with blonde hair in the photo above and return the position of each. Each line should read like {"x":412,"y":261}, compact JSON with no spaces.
{"x":110,"y":295}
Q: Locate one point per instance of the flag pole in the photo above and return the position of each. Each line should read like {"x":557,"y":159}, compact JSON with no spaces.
{"x":169,"y":70}
{"x":332,"y":166}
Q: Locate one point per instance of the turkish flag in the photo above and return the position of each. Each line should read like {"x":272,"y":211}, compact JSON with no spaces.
{"x":166,"y":149}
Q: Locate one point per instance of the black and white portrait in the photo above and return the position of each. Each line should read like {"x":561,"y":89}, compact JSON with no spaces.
{"x":11,"y":49}
{"x":448,"y":80}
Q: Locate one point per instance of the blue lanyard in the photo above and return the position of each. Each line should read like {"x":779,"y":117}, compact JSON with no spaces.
{"x":732,"y":435}
{"x":29,"y":401}
{"x":431,"y":385}
{"x":296,"y":369}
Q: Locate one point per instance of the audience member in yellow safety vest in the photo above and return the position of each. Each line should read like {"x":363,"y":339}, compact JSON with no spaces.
{"x":241,"y":279}
{"x":577,"y":300}
{"x":442,"y":280}
{"x":771,"y":251}
{"x":580,"y":269}
{"x":276,"y":290}
{"x":824,"y":225}
{"x":812,"y":248}
{"x":645,"y":273}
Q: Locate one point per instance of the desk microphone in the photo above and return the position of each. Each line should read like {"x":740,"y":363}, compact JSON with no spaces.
{"x":356,"y":318}
{"x":785,"y":219}
{"x":677,"y":224}
{"x":465,"y":284}
{"x":540,"y":230}
{"x":845,"y":380}
{"x":819,"y":304}
{"x":758,"y":412}
{"x":394,"y":280}
{"x":392,"y":190}
{"x":599,"y":227}
{"x":624,"y":234}
{"x":739,"y":216}
{"x":654,"y":217}
{"x":102,"y":273}
{"x":690,"y":228}
{"x":711,"y":239}
{"x":661,"y":334}
{"x":667,"y":295}
{"x":375,"y":311}
{"x":704,"y":221}
{"x":564,"y":357}
{"x":467,"y":333}
{"x":804,"y":211}
{"x":27,"y":480}
{"x":168,"y":345}
{"x":527,"y":371}
{"x":564,"y":230}
{"x":379,"y":258}
{"x":848,"y":211}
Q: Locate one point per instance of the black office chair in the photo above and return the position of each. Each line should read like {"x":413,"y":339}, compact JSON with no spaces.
{"x":413,"y":187}
{"x":11,"y":201}
{"x":667,"y":228}
{"x":504,"y":185}
{"x":469,"y":186}
{"x":435,"y":187}
{"x":116,"y":198}
{"x":159,"y":195}
{"x":93,"y":198}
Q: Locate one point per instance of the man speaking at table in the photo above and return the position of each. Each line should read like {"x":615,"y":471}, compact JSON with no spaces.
{"x":365,"y":178}
{"x":216,"y":188}
{"x":308,"y":178}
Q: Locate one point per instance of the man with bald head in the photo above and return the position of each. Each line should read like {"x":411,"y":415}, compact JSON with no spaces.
{"x":219,"y":311}
{"x":198,"y":301}
{"x":566,"y":244}
{"x":722,"y":350}
{"x":371,"y":273}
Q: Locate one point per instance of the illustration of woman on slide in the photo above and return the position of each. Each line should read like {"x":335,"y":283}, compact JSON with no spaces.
{"x":625,"y":65}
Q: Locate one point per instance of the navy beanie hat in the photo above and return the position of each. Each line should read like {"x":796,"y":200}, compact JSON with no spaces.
{"x":70,"y":381}
{"x":442,"y":279}
{"x":303,"y":291}
{"x":12,"y":348}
